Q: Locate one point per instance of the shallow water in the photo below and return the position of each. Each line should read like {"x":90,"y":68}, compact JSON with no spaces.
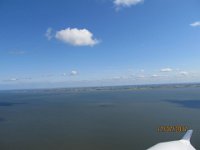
{"x":97,"y":120}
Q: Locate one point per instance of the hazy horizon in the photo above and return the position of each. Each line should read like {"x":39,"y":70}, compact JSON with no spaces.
{"x":102,"y":86}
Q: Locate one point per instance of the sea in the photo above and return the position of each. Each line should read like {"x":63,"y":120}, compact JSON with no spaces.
{"x":98,"y":118}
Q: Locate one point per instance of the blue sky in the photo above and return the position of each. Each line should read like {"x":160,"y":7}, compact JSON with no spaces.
{"x":59,"y":43}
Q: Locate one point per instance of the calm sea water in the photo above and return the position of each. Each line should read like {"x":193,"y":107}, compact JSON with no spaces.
{"x":97,"y":120}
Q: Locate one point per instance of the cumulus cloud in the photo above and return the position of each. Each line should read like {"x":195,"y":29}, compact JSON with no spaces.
{"x":155,"y":76}
{"x":142,"y":70}
{"x":26,"y":78}
{"x":76,"y":37}
{"x":126,"y":3}
{"x":73,"y":73}
{"x":184,"y":73}
{"x":141,"y":76}
{"x":11,"y":80}
{"x":195,"y":24}
{"x":166,"y":70}
{"x":49,"y":33}
{"x":17,"y":52}
{"x":64,"y":74}
{"x":117,"y":78}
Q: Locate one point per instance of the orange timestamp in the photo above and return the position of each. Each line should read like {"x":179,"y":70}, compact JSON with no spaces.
{"x":169,"y":128}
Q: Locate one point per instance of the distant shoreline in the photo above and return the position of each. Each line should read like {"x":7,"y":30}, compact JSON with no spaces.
{"x":107,"y":88}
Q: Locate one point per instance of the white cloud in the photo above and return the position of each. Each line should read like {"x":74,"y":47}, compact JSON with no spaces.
{"x":141,"y":76}
{"x":195,"y":24}
{"x":49,"y":34}
{"x":127,"y":3}
{"x":117,"y":78}
{"x":155,"y":76}
{"x":25,"y":78}
{"x":64,"y":74}
{"x":184,"y":73}
{"x":11,"y":80}
{"x":142,"y":70}
{"x":17,"y":52}
{"x":166,"y":70}
{"x":74,"y":73}
{"x":76,"y":37}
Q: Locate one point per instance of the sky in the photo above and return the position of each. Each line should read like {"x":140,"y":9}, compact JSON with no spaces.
{"x":73,"y":43}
